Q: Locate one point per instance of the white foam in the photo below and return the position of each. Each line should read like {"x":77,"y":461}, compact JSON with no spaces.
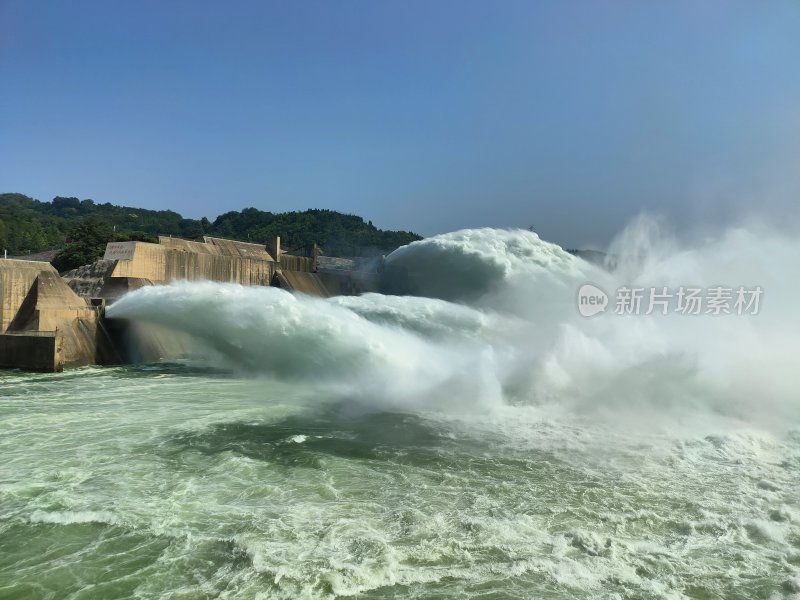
{"x":70,"y":517}
{"x":514,"y":335}
{"x":469,"y":263}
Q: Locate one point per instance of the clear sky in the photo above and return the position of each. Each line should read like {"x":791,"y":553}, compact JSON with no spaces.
{"x":425,"y":115}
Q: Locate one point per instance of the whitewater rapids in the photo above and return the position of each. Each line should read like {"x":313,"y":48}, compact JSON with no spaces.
{"x":499,"y":326}
{"x":482,"y":440}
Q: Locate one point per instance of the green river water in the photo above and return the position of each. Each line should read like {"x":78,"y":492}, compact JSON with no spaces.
{"x":168,"y":481}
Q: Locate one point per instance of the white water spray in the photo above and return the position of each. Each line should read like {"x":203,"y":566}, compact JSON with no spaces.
{"x":501,"y":328}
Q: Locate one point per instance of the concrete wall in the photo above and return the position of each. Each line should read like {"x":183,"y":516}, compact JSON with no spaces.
{"x":218,"y":247}
{"x":171,"y":243}
{"x":116,"y":287}
{"x":16,"y":279}
{"x":239,"y":249}
{"x":296,"y":263}
{"x":214,"y":259}
{"x":164,"y":263}
{"x":31,"y":351}
{"x":298,"y":281}
{"x":38,"y":303}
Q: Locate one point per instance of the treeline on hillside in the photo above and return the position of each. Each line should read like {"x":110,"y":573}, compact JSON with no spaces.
{"x":338,"y":234}
{"x":28,"y":225}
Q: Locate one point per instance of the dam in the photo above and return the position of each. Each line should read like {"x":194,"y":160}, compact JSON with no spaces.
{"x":49,"y":322}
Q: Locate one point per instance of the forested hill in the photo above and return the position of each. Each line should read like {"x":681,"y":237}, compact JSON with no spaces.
{"x":28,"y":225}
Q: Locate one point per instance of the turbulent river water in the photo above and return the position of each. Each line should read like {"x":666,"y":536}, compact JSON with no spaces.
{"x":486,"y":441}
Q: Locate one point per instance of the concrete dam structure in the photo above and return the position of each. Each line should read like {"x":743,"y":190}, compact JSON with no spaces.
{"x":175,"y":259}
{"x":49,"y":322}
{"x":44,"y":325}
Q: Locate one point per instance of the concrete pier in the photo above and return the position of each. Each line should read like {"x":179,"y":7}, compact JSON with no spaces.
{"x":45,"y":325}
{"x":32,"y":351}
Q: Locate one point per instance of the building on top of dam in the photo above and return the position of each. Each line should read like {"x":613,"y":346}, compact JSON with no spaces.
{"x":49,"y":322}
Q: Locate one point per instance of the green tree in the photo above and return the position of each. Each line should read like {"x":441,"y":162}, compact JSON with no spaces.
{"x":86,"y":244}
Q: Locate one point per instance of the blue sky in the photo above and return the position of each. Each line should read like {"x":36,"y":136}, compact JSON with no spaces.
{"x":424,"y":115}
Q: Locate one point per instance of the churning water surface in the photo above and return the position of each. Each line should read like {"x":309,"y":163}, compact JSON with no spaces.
{"x":486,"y":441}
